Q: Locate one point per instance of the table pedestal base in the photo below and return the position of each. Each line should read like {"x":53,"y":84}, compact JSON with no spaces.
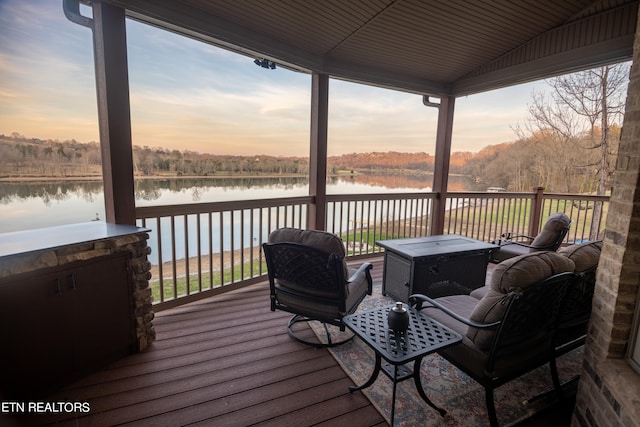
{"x":398,"y":373}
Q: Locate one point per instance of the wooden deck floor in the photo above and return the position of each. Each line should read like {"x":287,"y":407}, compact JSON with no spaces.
{"x":223,"y":361}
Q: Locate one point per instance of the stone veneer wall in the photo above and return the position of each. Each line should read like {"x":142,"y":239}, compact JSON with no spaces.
{"x":135,"y":244}
{"x":609,"y":389}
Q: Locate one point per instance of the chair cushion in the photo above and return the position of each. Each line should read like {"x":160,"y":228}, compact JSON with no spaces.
{"x":516,"y":273}
{"x":480,"y":292}
{"x":584,"y":255}
{"x":467,"y":355}
{"x":329,"y":308}
{"x":552,"y":228}
{"x":467,"y":352}
{"x":509,"y":250}
{"x":317,"y":239}
{"x":459,"y":304}
{"x":321,"y":240}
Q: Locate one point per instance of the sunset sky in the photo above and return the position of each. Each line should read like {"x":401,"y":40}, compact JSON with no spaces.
{"x":189,"y":95}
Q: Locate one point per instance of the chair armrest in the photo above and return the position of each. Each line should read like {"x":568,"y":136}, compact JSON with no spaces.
{"x":364,"y":268}
{"x":508,"y":239}
{"x":511,"y":237}
{"x":513,"y":242}
{"x":418,"y":300}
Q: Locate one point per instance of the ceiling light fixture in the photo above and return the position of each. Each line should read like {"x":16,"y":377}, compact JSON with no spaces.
{"x":265,"y":63}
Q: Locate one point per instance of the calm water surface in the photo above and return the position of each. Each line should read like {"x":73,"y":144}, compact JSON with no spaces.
{"x":29,"y":205}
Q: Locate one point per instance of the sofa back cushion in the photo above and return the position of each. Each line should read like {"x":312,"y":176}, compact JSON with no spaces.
{"x":515,"y":273}
{"x":584,"y":255}
{"x":577,"y":309}
{"x":552,"y":229}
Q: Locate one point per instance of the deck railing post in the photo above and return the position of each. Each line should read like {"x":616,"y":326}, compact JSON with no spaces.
{"x":536,"y":212}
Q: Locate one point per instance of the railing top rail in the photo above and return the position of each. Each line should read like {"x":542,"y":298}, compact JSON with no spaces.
{"x":486,"y":195}
{"x":197,"y":208}
{"x":585,"y":197}
{"x":381,"y":196}
{"x":509,"y":195}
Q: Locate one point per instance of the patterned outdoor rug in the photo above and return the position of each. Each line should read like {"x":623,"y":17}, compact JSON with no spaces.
{"x":446,"y":386}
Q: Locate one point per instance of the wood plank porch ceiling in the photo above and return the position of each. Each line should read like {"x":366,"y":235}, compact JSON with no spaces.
{"x":423,"y":46}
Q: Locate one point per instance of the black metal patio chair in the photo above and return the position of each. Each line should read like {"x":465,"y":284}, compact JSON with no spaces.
{"x":308,"y":276}
{"x":512,"y":329}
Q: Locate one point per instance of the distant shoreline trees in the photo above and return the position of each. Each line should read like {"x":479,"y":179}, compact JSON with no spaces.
{"x":509,"y":165}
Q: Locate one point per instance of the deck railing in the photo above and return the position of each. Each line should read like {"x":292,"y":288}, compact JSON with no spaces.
{"x":361,"y":219}
{"x":486,"y":216}
{"x":207,"y":248}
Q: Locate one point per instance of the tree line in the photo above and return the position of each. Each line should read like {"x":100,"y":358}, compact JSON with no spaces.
{"x":514,"y":166}
{"x":21,"y":156}
{"x":538,"y":160}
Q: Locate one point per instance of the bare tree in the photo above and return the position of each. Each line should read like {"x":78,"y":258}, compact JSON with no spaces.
{"x":583,"y":108}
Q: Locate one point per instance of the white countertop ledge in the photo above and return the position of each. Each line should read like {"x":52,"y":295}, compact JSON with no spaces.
{"x":40,"y":239}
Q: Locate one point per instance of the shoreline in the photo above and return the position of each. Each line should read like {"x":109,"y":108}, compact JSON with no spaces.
{"x":98,"y":177}
{"x":136,"y":177}
{"x":192,"y":262}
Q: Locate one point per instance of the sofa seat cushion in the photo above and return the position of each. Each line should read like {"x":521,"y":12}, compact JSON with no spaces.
{"x":473,"y":360}
{"x":513,"y":274}
{"x":480,"y":292}
{"x":460,"y":304}
{"x":467,"y":354}
{"x":509,"y":250}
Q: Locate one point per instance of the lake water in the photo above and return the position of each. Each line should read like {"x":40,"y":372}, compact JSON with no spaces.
{"x":29,"y":205}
